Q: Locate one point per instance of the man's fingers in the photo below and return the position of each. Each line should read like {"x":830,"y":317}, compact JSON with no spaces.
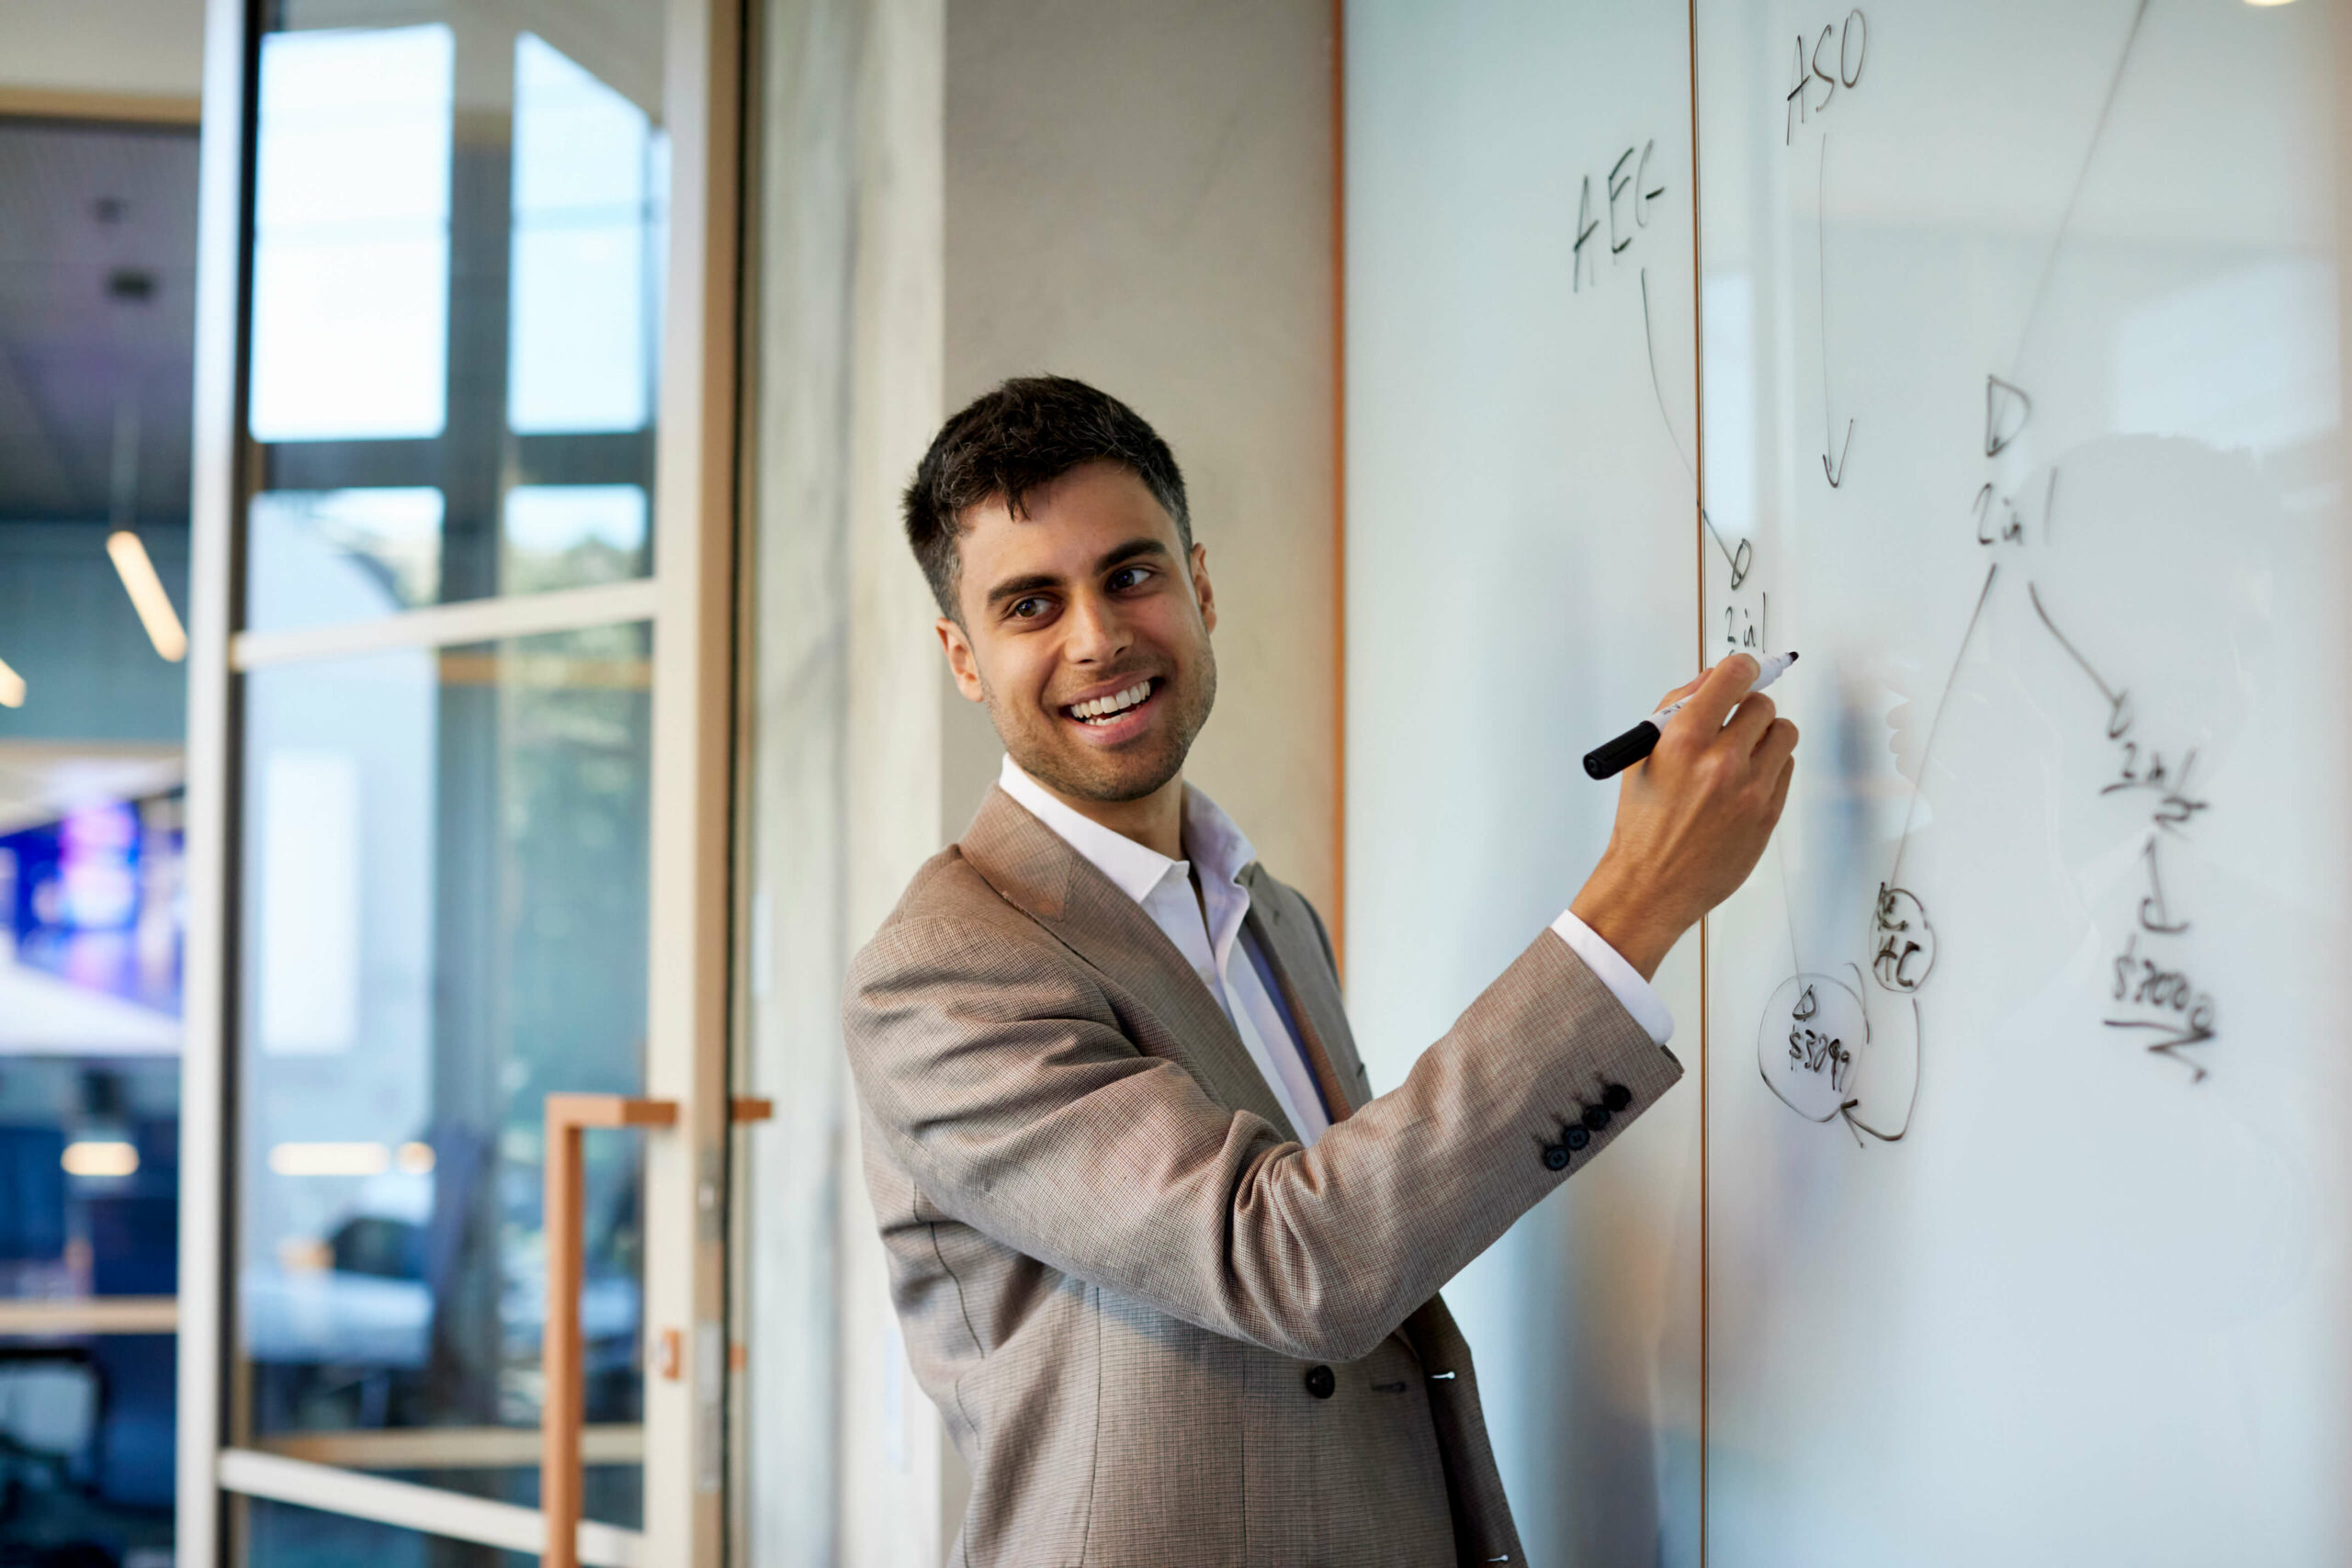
{"x":1718,"y":690}
{"x":1781,"y":790}
{"x":1749,"y":723}
{"x":1680,"y":692}
{"x":1780,"y":743}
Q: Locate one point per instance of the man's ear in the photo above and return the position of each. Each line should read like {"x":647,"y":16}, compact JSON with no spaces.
{"x":1201,"y":589}
{"x":961,"y":662}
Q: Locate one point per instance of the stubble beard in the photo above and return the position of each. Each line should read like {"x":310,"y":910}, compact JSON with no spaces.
{"x":1079,"y":773}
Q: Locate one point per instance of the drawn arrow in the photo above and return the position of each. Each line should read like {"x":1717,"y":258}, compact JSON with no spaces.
{"x":1920,"y":1053}
{"x":2172,"y":1045}
{"x":2119,"y":704}
{"x":1935,"y":721}
{"x":1834,"y":472}
{"x":2074,"y":196}
{"x":1739,"y":560}
{"x":2156,"y":914}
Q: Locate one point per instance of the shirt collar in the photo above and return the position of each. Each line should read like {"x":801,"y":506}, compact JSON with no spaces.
{"x":1219,"y":846}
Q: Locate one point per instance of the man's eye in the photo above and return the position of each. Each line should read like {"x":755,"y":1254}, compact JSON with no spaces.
{"x":1129,"y":577}
{"x":1027,"y":609}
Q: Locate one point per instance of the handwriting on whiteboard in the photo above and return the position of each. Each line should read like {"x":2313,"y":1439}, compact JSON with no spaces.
{"x":1819,"y":78}
{"x":2152,"y":994}
{"x":1627,"y":191}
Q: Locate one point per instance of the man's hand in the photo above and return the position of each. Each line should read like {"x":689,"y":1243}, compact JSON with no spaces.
{"x":1694,"y":818}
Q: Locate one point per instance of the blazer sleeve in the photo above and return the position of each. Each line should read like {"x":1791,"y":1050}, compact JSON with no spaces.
{"x":996,"y":1071}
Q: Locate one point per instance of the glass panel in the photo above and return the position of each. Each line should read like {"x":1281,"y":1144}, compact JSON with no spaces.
{"x":580,"y":357}
{"x":90,"y":1170}
{"x":85,"y":1450}
{"x":342,"y":555}
{"x":444,"y":895}
{"x":567,"y":535}
{"x":97,"y":246}
{"x":351,"y":234}
{"x":457,"y":297}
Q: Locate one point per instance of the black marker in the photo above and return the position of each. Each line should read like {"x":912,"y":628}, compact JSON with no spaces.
{"x":1607,"y":762}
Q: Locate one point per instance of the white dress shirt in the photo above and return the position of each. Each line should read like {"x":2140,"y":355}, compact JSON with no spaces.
{"x":1164,"y":888}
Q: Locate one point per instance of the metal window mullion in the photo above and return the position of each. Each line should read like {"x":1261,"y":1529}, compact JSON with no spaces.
{"x":93,"y":1316}
{"x":406,"y":1506}
{"x":447,"y":625}
{"x":224,"y":230}
{"x":689,"y":951}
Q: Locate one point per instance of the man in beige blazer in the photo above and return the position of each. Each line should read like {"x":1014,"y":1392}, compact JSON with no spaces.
{"x":1166,"y":1263}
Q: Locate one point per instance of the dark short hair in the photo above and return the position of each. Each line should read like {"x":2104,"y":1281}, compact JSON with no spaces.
{"x":1028,"y":432}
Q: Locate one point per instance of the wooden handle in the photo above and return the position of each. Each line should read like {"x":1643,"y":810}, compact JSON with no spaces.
{"x":562,"y":1408}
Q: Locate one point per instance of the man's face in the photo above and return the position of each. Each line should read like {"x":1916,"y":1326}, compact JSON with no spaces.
{"x":1085,"y":601}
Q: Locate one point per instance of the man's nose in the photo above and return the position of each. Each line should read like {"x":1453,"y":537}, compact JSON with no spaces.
{"x":1098,"y":633}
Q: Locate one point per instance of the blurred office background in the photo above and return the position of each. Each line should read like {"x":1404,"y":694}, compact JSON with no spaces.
{"x":404,"y":809}
{"x":98,"y":109}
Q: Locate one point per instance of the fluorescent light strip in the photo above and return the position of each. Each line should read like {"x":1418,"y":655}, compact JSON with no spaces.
{"x":341,"y":1159}
{"x":12,"y":687}
{"x":93,"y":1158}
{"x":330,"y":1159}
{"x":147,"y":595}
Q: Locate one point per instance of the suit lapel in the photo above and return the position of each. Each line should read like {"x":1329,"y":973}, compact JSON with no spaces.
{"x":1295,"y":955}
{"x":1034,"y":870}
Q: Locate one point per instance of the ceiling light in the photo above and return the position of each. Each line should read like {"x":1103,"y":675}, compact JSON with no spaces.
{"x":147,"y":595}
{"x":12,"y":687}
{"x":111,"y":1158}
{"x":305,"y":1255}
{"x":330,"y":1159}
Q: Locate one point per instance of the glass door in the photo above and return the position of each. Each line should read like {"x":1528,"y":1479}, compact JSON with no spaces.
{"x":459,"y":804}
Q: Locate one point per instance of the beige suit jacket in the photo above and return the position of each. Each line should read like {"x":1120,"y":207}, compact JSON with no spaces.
{"x":1162,"y":1332}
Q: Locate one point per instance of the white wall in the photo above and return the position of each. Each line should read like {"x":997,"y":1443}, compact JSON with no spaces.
{"x":1523,"y":583}
{"x":1140,"y":197}
{"x":1137,"y":196}
{"x":841,"y":1459}
{"x":120,"y":48}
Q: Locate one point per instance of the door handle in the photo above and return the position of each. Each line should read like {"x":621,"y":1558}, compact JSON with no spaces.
{"x":562,"y":1408}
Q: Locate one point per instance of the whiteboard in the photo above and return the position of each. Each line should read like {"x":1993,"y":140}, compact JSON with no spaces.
{"x":1521,"y":584}
{"x":2021,"y":396}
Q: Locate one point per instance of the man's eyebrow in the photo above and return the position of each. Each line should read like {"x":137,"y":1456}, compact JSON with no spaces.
{"x":1121,"y":554}
{"x":1014,"y":587}
{"x":1038,"y":582}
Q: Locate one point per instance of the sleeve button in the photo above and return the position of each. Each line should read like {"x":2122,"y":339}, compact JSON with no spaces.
{"x":1575,"y":1137}
{"x":1596,"y":1117}
{"x":1555,"y":1157}
{"x":1617,"y":1097}
{"x":1320,"y":1382}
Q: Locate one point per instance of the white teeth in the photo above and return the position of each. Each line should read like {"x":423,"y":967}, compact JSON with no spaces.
{"x":1101,"y":707}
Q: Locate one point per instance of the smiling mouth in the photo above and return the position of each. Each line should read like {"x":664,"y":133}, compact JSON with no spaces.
{"x":1101,"y":712}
